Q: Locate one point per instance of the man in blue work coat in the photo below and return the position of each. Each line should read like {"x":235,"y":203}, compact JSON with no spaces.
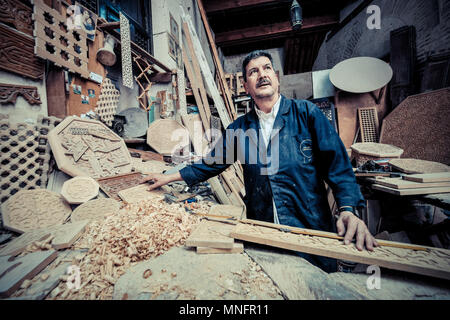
{"x":288,"y":149}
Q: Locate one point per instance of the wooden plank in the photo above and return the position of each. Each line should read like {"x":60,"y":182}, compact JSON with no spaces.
{"x":399,"y":183}
{"x":196,"y":91}
{"x":211,"y":234}
{"x":139,"y":193}
{"x":206,"y":71}
{"x":227,"y":210}
{"x":411,"y":192}
{"x":194,"y":125}
{"x":220,"y":73}
{"x":197,"y":76}
{"x":218,"y":190}
{"x":63,"y":236}
{"x":429,"y":177}
{"x":237,"y":248}
{"x":434,"y":262}
{"x":15,"y":271}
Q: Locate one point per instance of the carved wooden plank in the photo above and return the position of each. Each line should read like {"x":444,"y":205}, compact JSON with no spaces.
{"x":16,"y":13}
{"x":434,"y":262}
{"x":17,"y":54}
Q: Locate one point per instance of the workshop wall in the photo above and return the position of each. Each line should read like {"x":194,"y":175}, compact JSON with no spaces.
{"x":21,"y":110}
{"x":430,"y":18}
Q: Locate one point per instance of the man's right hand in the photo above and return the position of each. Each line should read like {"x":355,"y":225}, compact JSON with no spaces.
{"x":160,"y":179}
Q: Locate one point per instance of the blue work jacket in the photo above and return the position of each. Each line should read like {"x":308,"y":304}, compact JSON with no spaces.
{"x":303,"y":152}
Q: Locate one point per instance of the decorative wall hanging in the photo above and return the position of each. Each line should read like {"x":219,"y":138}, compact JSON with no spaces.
{"x":107,"y":102}
{"x":125,"y":42}
{"x":56,"y":41}
{"x":85,"y":147}
{"x":10,"y":92}
{"x":17,"y":54}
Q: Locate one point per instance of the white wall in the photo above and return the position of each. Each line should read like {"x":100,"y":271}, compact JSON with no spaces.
{"x":22,"y":111}
{"x":233,"y":64}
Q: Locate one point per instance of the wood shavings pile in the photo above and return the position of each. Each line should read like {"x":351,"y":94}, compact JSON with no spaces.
{"x":137,"y":232}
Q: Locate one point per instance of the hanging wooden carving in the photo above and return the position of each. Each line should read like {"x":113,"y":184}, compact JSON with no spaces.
{"x":14,"y":12}
{"x":17,"y":54}
{"x":127,"y":67}
{"x":56,"y":42}
{"x":10,"y":92}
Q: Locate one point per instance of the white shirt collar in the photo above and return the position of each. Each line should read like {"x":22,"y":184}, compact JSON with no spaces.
{"x":272,"y":114}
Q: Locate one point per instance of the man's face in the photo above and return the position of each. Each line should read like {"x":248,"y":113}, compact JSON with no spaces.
{"x":262,"y":81}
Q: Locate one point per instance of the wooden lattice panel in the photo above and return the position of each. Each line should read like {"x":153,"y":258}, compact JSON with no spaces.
{"x":368,"y":122}
{"x":34,"y":209}
{"x":54,"y":40}
{"x":85,"y":147}
{"x":24,"y":158}
{"x":107,"y":101}
{"x":44,"y":125}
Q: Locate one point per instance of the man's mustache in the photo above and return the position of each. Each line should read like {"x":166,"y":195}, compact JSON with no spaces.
{"x":263,"y":82}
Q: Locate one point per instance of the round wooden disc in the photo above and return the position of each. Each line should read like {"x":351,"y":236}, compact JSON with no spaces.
{"x":361,"y":74}
{"x":95,"y":209}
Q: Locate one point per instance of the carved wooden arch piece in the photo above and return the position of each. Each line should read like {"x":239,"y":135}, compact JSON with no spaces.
{"x":10,"y":92}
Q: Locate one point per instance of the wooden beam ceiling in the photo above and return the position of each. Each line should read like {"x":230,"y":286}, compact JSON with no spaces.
{"x":221,"y":5}
{"x":272,"y":31}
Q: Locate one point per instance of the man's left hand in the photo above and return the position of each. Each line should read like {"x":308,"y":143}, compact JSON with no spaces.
{"x":351,"y":225}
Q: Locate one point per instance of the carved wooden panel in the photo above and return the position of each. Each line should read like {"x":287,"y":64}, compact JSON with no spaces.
{"x":56,"y":42}
{"x":96,"y":209}
{"x":17,"y":54}
{"x":127,"y":66}
{"x":84,"y":147}
{"x":10,"y":92}
{"x":14,"y":12}
{"x":112,"y":185}
{"x":34,"y":209}
{"x":433,"y":262}
{"x":79,"y":190}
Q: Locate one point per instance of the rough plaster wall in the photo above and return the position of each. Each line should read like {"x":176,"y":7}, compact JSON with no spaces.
{"x":22,"y":111}
{"x":233,"y":64}
{"x":430,"y":17}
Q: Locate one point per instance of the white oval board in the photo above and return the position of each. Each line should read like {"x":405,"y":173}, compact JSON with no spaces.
{"x":361,"y":74}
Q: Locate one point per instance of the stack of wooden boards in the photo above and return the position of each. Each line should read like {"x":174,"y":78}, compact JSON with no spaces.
{"x":212,"y":235}
{"x":228,"y":186}
{"x":415,"y":184}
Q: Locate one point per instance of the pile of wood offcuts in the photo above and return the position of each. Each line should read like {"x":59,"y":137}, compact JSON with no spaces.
{"x":137,"y":232}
